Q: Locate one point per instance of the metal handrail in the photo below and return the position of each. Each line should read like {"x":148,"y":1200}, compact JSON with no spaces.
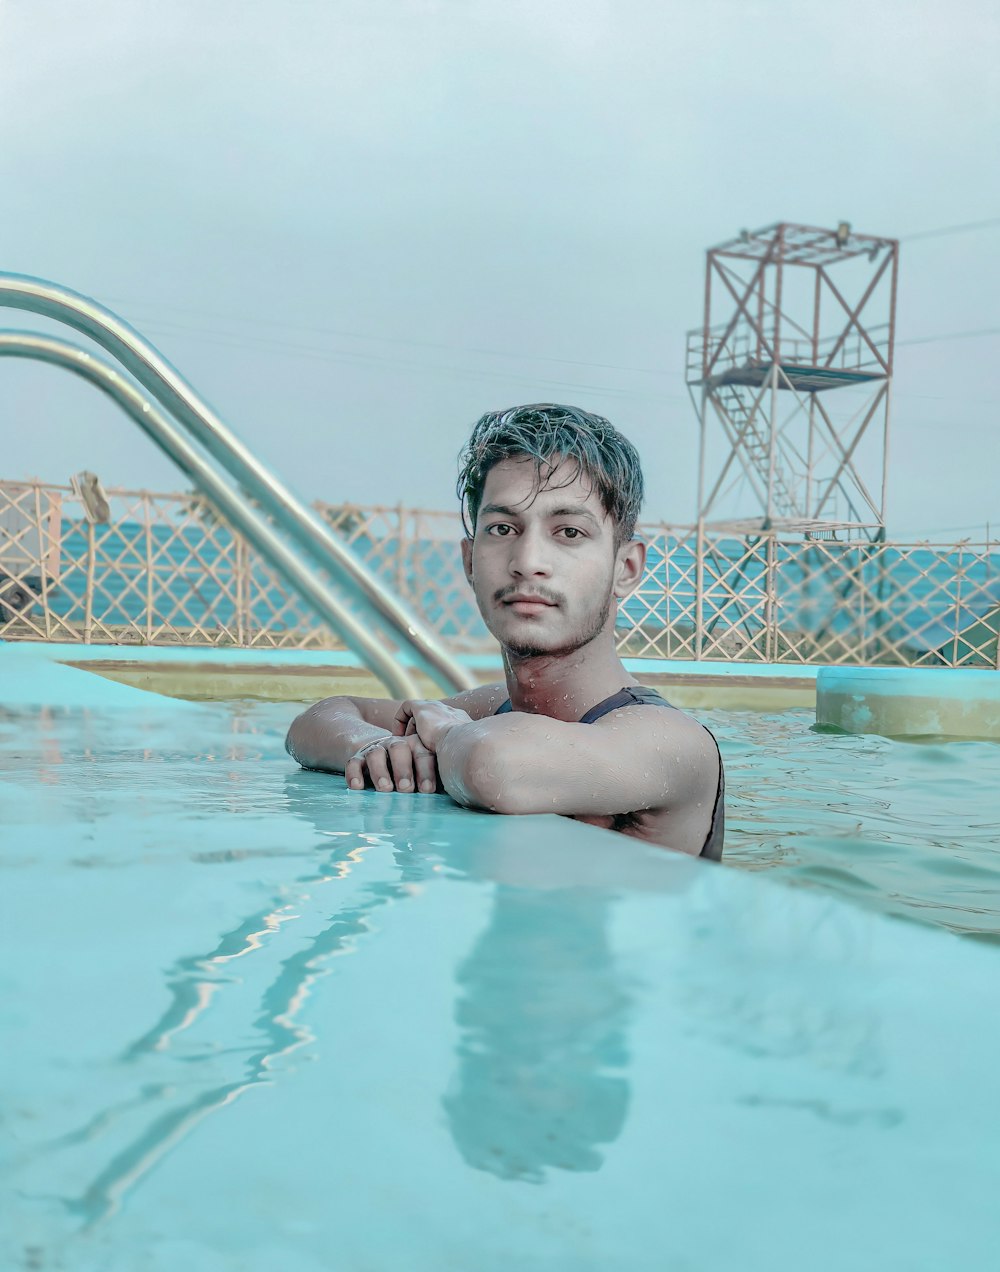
{"x":233,"y":505}
{"x":171,"y":390}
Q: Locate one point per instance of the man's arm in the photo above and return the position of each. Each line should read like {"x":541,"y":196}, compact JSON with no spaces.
{"x":635,"y":758}
{"x":327,"y":734}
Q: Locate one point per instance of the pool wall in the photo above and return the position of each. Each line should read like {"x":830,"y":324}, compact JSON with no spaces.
{"x":910,"y":702}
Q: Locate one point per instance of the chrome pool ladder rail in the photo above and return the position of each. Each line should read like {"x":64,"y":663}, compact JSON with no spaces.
{"x":233,"y":505}
{"x":169,"y":388}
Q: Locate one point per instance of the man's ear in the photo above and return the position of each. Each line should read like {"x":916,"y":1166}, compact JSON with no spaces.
{"x":467,"y":558}
{"x":629,"y":567}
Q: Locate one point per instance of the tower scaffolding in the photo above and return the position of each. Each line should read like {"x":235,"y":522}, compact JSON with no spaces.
{"x":792,"y":313}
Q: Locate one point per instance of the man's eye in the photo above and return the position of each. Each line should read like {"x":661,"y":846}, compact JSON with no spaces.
{"x":573,"y":532}
{"x":498,"y":526}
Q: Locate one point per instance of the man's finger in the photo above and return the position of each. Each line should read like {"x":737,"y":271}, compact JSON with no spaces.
{"x":395,"y":764}
{"x":378,"y":768}
{"x":425,"y":763}
{"x":401,"y":761}
{"x":403,"y":719}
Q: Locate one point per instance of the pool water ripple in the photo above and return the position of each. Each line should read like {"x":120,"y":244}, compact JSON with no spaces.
{"x":910,"y":828}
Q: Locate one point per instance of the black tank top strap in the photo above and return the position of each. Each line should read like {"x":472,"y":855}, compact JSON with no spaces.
{"x":630,"y":696}
{"x":713,"y":845}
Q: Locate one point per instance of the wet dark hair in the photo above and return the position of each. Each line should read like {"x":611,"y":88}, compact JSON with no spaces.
{"x":546,"y":430}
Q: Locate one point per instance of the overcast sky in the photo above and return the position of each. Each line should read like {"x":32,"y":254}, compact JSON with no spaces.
{"x":355,"y":225}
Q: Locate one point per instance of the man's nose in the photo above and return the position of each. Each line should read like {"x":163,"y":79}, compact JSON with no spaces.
{"x":529,"y":554}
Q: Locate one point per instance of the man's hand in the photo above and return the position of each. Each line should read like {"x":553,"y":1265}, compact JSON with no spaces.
{"x":430,"y":721}
{"x":406,"y":759}
{"x":394,"y":763}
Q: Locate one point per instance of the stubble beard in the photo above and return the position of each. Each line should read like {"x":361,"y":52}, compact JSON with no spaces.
{"x":526,"y":649}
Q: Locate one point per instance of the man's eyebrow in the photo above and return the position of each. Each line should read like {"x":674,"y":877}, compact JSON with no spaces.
{"x":570,"y":510}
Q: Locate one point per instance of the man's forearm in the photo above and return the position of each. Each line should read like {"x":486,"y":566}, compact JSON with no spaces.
{"x":328,"y":734}
{"x":463,"y":763}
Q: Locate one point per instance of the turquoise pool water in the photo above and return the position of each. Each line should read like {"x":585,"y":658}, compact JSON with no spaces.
{"x":262,"y":1022}
{"x":907,"y":828}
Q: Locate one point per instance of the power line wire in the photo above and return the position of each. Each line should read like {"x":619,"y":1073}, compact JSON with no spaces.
{"x":952,"y":335}
{"x":354,"y":357}
{"x":400,"y":340}
{"x":341,"y":355}
{"x":942,"y":230}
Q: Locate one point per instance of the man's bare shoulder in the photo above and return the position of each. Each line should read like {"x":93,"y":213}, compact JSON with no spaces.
{"x":643,"y":770}
{"x":654,"y":718}
{"x":669,"y":735}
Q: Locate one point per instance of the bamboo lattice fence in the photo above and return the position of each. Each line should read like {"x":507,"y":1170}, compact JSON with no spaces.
{"x":166,"y":569}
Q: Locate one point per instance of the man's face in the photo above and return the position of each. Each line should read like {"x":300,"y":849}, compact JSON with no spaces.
{"x":554,"y":543}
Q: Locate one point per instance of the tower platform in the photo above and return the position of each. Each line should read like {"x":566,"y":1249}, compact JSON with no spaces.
{"x":805,"y":379}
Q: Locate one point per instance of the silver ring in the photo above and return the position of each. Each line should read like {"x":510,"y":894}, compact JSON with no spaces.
{"x":370,"y":746}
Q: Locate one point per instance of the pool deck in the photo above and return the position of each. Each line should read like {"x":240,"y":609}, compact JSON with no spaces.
{"x":892,"y":701}
{"x":305,"y":675}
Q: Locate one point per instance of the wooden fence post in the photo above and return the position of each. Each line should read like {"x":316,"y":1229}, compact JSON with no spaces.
{"x":401,"y":549}
{"x":770,"y":605}
{"x":150,"y":591}
{"x":88,"y":596}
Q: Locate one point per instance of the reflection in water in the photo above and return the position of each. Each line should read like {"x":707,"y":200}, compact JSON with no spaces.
{"x":275,"y":1026}
{"x":540,"y":1081}
{"x":198,"y":984}
{"x":792,"y":987}
{"x":543,"y":1007}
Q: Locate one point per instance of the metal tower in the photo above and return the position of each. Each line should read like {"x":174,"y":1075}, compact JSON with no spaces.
{"x":793,"y":313}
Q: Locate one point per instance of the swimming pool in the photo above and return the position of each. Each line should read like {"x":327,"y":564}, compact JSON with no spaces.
{"x":909,"y":828}
{"x":263,"y":1022}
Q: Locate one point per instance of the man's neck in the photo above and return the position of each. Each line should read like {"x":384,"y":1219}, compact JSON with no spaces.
{"x":564,"y":686}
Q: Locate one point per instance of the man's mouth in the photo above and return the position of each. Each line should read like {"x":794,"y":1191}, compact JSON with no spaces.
{"x":528,"y":604}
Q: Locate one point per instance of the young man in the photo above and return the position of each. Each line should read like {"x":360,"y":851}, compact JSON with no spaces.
{"x":553,"y":495}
